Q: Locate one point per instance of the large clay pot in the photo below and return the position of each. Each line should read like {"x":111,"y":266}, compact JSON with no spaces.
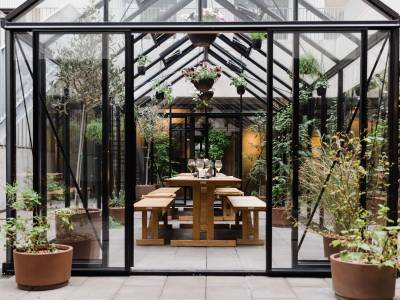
{"x":328,"y":248}
{"x":43,"y":271}
{"x":280,"y":217}
{"x":202,"y":39}
{"x":143,"y":189}
{"x":83,"y":236}
{"x":118,"y":213}
{"x":362,"y":281}
{"x":203,"y":85}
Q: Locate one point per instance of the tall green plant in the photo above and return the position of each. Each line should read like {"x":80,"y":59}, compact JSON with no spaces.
{"x":218,"y":142}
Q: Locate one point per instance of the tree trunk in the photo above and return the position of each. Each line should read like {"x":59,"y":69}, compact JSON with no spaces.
{"x":80,"y":151}
{"x":147,"y":164}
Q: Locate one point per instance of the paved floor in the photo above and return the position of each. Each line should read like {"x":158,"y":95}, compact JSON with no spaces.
{"x":174,"y":288}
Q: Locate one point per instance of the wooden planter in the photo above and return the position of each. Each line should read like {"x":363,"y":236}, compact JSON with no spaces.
{"x":118,"y":213}
{"x":43,"y":271}
{"x":362,"y":281}
{"x":82,"y":237}
{"x":202,"y":39}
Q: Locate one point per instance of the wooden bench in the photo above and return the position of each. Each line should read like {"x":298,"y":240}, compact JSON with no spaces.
{"x":157,"y":207}
{"x":228,"y":213}
{"x":250,"y":226}
{"x":164,"y":192}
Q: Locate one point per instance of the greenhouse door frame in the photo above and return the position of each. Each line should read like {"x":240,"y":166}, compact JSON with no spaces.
{"x":270,"y":28}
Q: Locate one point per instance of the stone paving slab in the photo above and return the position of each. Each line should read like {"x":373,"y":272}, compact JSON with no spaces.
{"x":180,"y":287}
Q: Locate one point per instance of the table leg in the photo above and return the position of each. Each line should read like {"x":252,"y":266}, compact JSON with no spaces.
{"x":210,"y":212}
{"x":144,"y":224}
{"x":196,"y":212}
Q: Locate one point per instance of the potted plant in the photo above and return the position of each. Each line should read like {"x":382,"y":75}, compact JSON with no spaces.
{"x":208,"y":15}
{"x":257,"y":39}
{"x":203,"y":76}
{"x":321,"y":85}
{"x":163,"y":92}
{"x":202,"y":99}
{"x":94,"y":131}
{"x":81,"y":229}
{"x":217,"y":141}
{"x":38,"y":264}
{"x":367,"y":266}
{"x":117,"y":207}
{"x":340,"y":200}
{"x":142,"y":60}
{"x":240,"y":83}
{"x":309,"y":65}
{"x":150,"y":123}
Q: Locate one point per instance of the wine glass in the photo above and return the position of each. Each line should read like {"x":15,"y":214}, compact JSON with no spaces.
{"x":200,"y":166}
{"x":218,"y":165}
{"x":191,"y":165}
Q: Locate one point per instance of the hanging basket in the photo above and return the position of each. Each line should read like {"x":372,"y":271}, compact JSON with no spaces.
{"x":203,"y":85}
{"x":160,"y":95}
{"x":256,"y":44}
{"x":240,"y":89}
{"x":321,"y":91}
{"x":206,"y":96}
{"x":141,"y":70}
{"x":202,"y":39}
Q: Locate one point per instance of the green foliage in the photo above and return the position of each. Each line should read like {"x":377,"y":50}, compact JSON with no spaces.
{"x":255,"y":36}
{"x":142,"y":60}
{"x":309,"y":65}
{"x":26,"y":233}
{"x":202,"y":72}
{"x":322,"y":81}
{"x":117,"y":199}
{"x":65,"y":215}
{"x":115,"y":224}
{"x":55,"y":186}
{"x":218,"y":142}
{"x":239,"y":80}
{"x":164,"y":89}
{"x":161,"y":157}
{"x":94,"y":131}
{"x":370,"y":242}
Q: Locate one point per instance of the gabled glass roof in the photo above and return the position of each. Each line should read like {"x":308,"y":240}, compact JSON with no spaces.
{"x":188,"y":10}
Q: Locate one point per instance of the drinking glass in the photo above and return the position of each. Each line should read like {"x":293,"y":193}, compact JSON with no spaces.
{"x":191,"y":165}
{"x":218,"y":165}
{"x":200,"y":166}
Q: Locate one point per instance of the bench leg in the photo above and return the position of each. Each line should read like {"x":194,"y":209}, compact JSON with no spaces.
{"x":227,"y":210}
{"x":250,"y":228}
{"x":151,"y":231}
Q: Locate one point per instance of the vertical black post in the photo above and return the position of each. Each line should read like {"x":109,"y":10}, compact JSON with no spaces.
{"x":11,"y":149}
{"x":269,"y":154}
{"x":363,"y":111}
{"x":200,"y":10}
{"x":393,"y":130}
{"x":105,"y":141}
{"x":295,"y":146}
{"x":130,"y":151}
{"x":66,"y":175}
{"x":170,"y":140}
{"x":84,"y":178}
{"x":111,"y":149}
{"x":340,"y":104}
{"x":118,"y":129}
{"x":43,"y":134}
{"x":324,"y":115}
{"x":240,"y":146}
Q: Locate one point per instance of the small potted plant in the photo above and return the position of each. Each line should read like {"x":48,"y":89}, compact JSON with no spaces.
{"x":205,"y":39}
{"x":367,"y":266}
{"x":309,"y":65}
{"x":203,"y":76}
{"x":117,"y":207}
{"x":75,"y":228}
{"x":142,"y":61}
{"x":321,"y":85}
{"x":163,"y":92}
{"x":240,"y":83}
{"x":38,"y":264}
{"x":94,"y":131}
{"x":257,"y":39}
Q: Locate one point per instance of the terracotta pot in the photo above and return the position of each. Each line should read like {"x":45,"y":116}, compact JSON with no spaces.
{"x":82,"y":237}
{"x":321,"y":91}
{"x":43,"y":271}
{"x":279,"y":217}
{"x":118,"y":213}
{"x":202,"y":39}
{"x":328,"y":249}
{"x":362,"y":281}
{"x":142,"y":189}
{"x":256,"y":44}
{"x":141,"y":70}
{"x":240,"y":89}
{"x":203,"y":85}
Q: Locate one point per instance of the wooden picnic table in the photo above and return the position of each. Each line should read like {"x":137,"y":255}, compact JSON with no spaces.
{"x":203,"y":207}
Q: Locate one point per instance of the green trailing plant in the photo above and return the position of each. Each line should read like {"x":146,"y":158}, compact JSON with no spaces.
{"x":165,"y":90}
{"x":117,"y":199}
{"x":218,"y":142}
{"x":202,"y":72}
{"x":26,"y":232}
{"x":239,"y":81}
{"x":201,"y":100}
{"x":143,"y":60}
{"x":94,"y":131}
{"x":150,"y":125}
{"x":257,"y":36}
{"x":304,"y":95}
{"x":370,"y":242}
{"x":309,"y":65}
{"x":321,"y":82}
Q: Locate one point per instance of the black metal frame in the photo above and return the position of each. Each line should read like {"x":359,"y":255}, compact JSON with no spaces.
{"x":127,"y":28}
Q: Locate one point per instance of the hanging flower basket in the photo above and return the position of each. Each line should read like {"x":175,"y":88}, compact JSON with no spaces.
{"x":203,"y":76}
{"x":206,"y":96}
{"x":203,"y":85}
{"x":202,"y":39}
{"x":240,"y":83}
{"x":321,"y":91}
{"x":240,"y":89}
{"x":141,"y":70}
